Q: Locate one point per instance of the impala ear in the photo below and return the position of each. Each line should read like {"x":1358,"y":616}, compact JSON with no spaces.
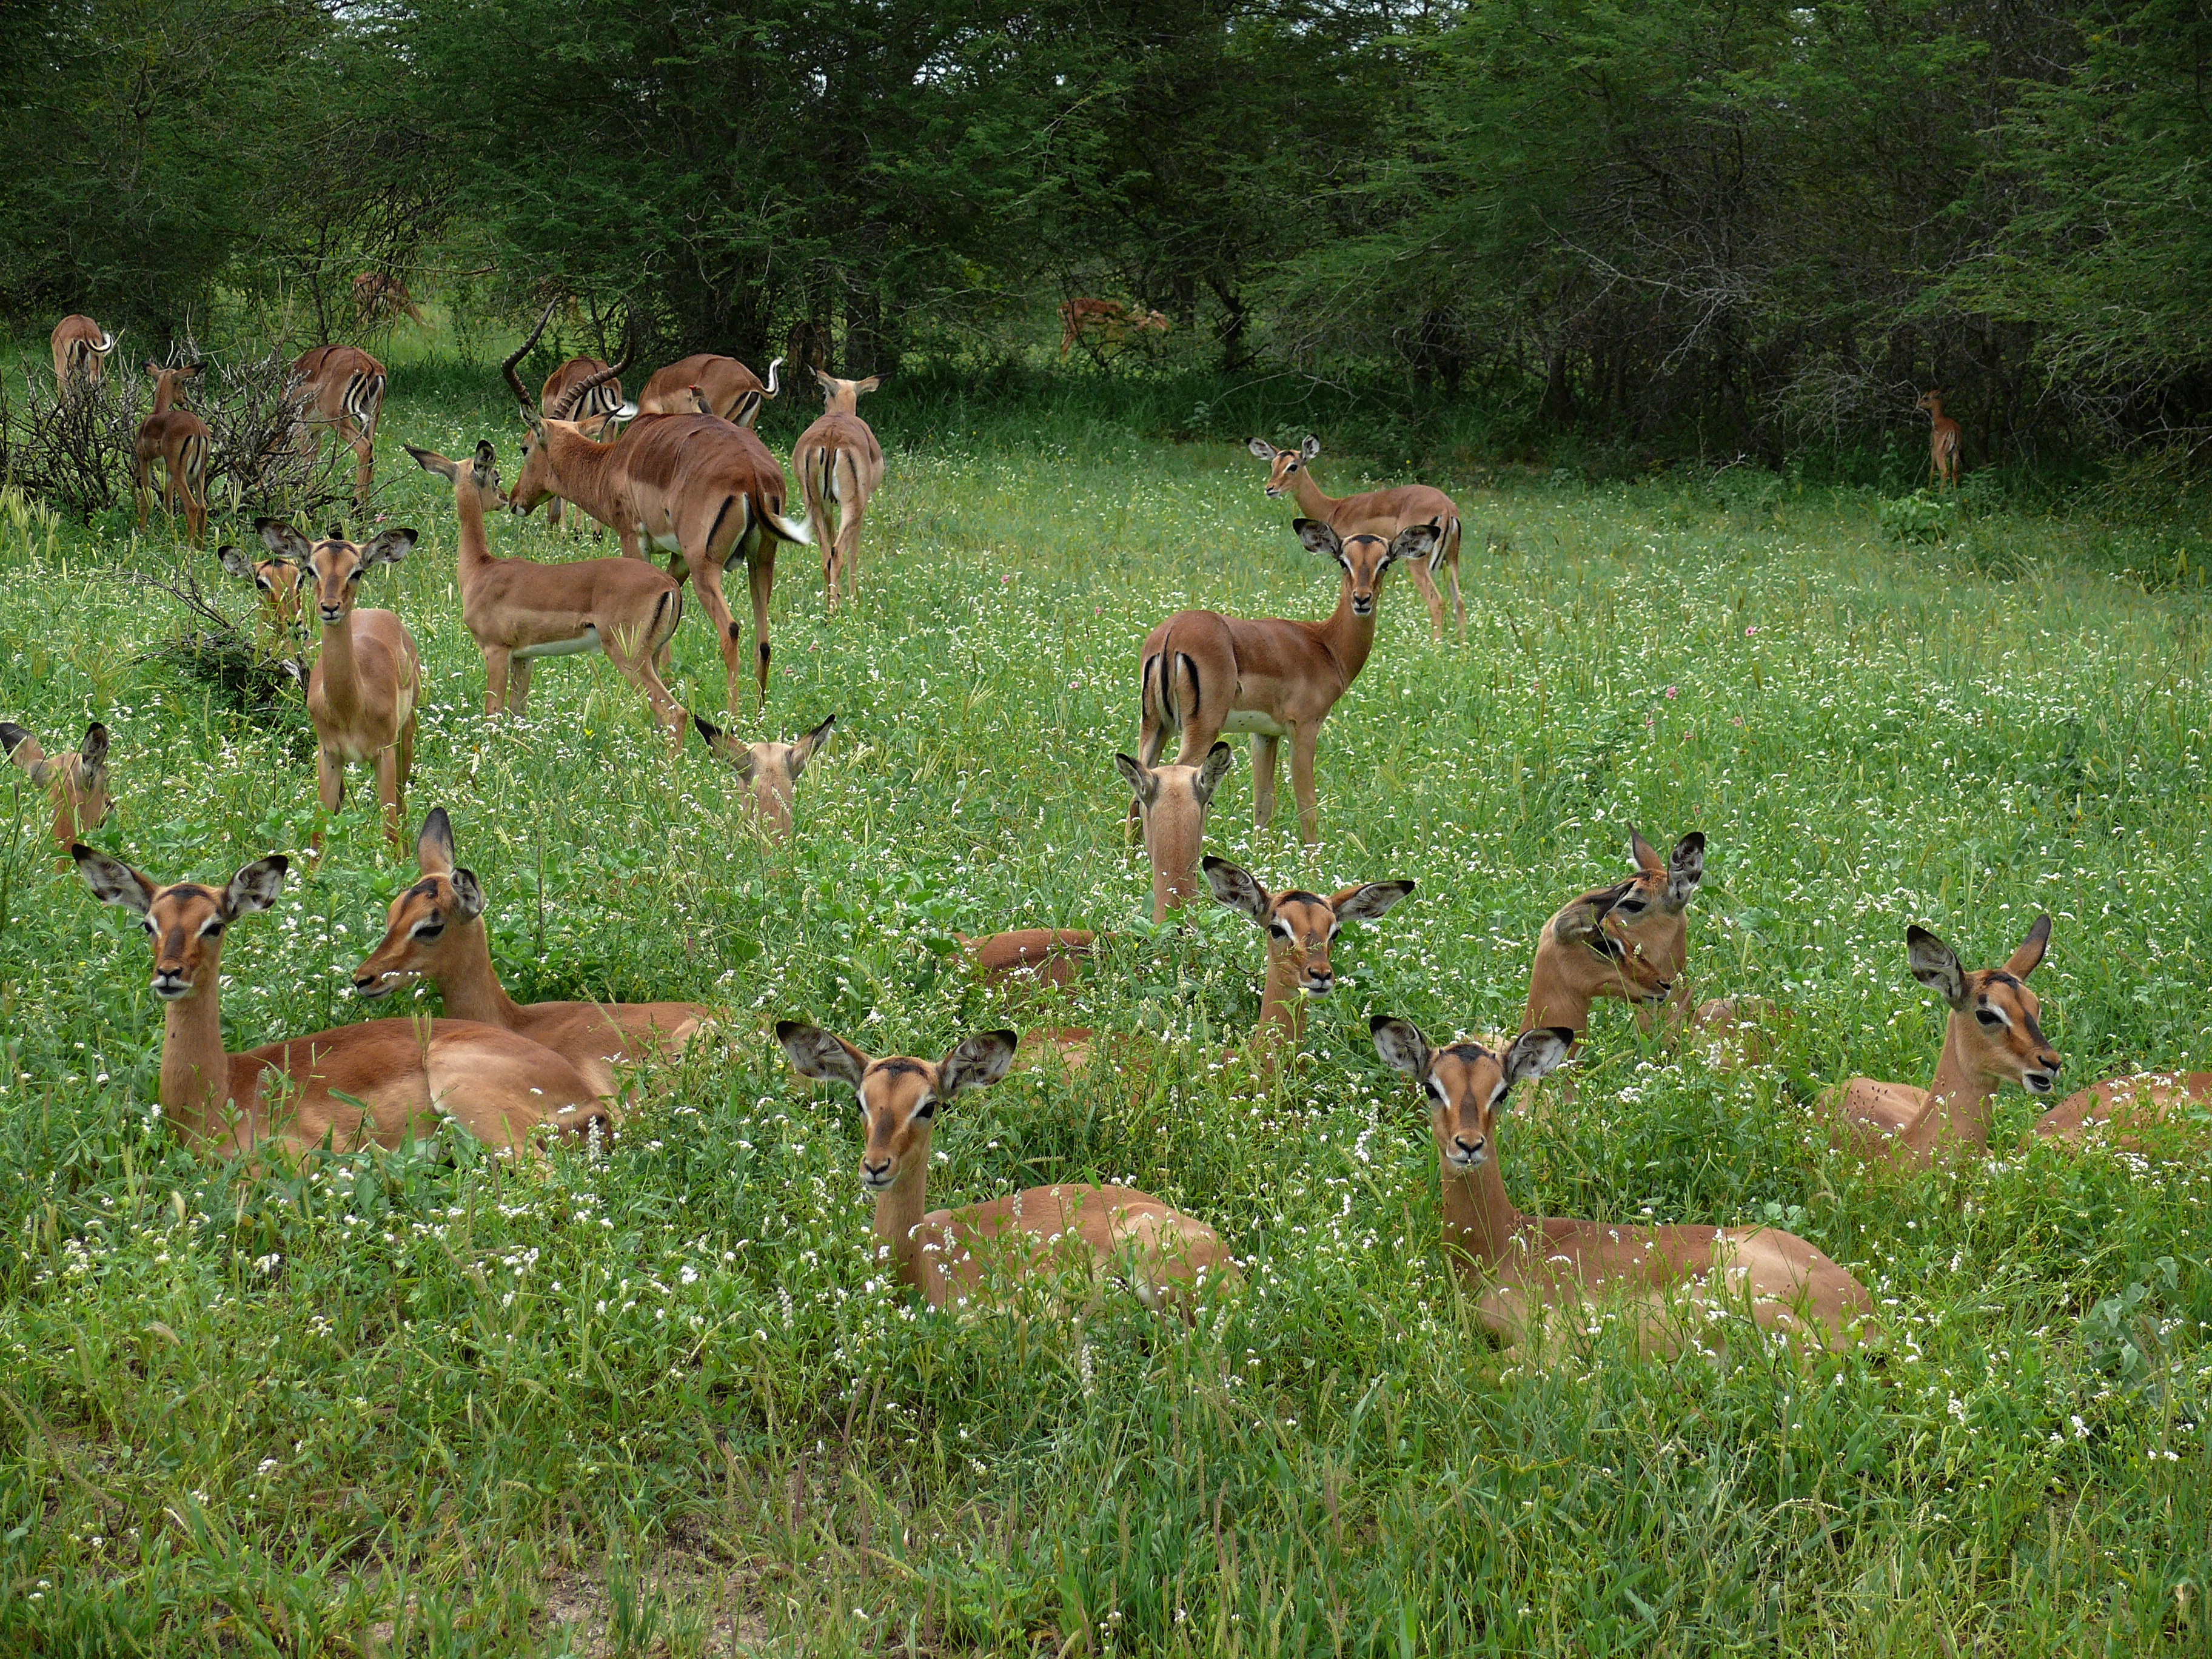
{"x":810,"y":745}
{"x":1311,"y":447}
{"x":389,"y":548}
{"x":434,"y":848}
{"x":1402,"y":1046}
{"x":1368,"y":899}
{"x":1536,"y":1051}
{"x":1211,"y":771}
{"x":430,"y":461}
{"x":817,"y":1053}
{"x":1318,"y":538}
{"x":738,"y":755}
{"x":12,"y":738}
{"x":255,"y":886}
{"x":1143,"y":783}
{"x":536,"y":422}
{"x":979,"y":1061}
{"x":1643,"y":854}
{"x":112,"y":881}
{"x":92,"y":755}
{"x":1935,"y":965}
{"x":235,"y":562}
{"x":468,"y":894}
{"x":1686,"y":868}
{"x":1260,"y":448}
{"x":282,"y":540}
{"x":1236,"y":887}
{"x":1582,"y":923}
{"x":1415,"y":541}
{"x":874,"y":382}
{"x":2026,"y":960}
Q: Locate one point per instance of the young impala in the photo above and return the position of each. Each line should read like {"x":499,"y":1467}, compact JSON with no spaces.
{"x":2120,"y":1107}
{"x":723,"y":382}
{"x":977,"y":1253}
{"x":1942,"y":441}
{"x":1993,"y":1036}
{"x":1528,"y":1269}
{"x":1376,"y":512}
{"x":839,"y":462}
{"x":178,"y":440}
{"x":1172,"y":801}
{"x":368,"y":675}
{"x":518,"y":611}
{"x":771,"y":770}
{"x":1203,"y":673}
{"x":434,"y":933}
{"x":1629,"y":941}
{"x":76,"y":784}
{"x":282,"y":632}
{"x":385,"y":1082}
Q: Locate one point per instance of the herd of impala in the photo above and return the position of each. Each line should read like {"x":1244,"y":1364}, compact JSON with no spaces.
{"x":681,"y":470}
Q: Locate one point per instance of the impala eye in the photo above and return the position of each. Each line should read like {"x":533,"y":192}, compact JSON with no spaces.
{"x":430,"y":929}
{"x":926,"y":1110}
{"x":147,"y":922}
{"x":1280,"y":930}
{"x":359,"y":571}
{"x":1628,"y":907}
{"x":1995,"y":1022}
{"x":213,"y":929}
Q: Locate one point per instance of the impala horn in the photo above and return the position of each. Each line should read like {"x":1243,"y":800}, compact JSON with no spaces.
{"x":590,"y":383}
{"x":521,"y":391}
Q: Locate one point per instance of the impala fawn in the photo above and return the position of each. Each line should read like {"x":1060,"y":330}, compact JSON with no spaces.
{"x":1172,"y":801}
{"x":771,"y":770}
{"x":76,"y":784}
{"x":178,"y":440}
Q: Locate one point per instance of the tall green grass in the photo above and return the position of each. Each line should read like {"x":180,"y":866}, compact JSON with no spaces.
{"x":662,"y":1400}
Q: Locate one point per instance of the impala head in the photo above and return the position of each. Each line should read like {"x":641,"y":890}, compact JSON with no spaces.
{"x":1630,"y":941}
{"x":1283,"y":466}
{"x":843,"y":397}
{"x":78,"y":782}
{"x":1300,"y":925}
{"x":771,"y":769}
{"x":1172,"y":802}
{"x":276,"y":578}
{"x":1932,"y":402}
{"x":169,"y":383}
{"x":1466,"y":1083}
{"x":431,"y":925}
{"x":1994,"y":1018}
{"x":474,"y":481}
{"x":535,"y":483}
{"x":1365,"y":559}
{"x":332,"y":568}
{"x":184,"y":920}
{"x":899,"y":1095}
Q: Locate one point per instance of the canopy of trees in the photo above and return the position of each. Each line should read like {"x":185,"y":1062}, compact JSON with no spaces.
{"x":1770,"y":222}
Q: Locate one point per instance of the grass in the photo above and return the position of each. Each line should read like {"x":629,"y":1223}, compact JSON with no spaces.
{"x":662,"y":1401}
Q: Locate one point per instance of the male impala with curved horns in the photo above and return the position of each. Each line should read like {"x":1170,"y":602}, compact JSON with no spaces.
{"x":1376,"y":512}
{"x":340,"y":389}
{"x":384,"y":1082}
{"x":518,"y":611}
{"x":838,"y":462}
{"x":1666,"y":1280}
{"x":703,"y":489}
{"x":1203,"y":673}
{"x":972,"y":1254}
{"x":81,"y":348}
{"x":180,"y":442}
{"x":722,"y":383}
{"x":602,"y":402}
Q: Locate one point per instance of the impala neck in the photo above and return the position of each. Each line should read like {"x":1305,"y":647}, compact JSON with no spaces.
{"x":1282,"y":1025}
{"x":899,"y":1213}
{"x":1347,"y":636}
{"x":1960,"y":1101}
{"x":1310,"y":500}
{"x":165,"y":395}
{"x":340,"y":668}
{"x":584,"y":473}
{"x":195,"y":1071}
{"x":1554,"y":1005}
{"x":470,"y":984}
{"x":475,"y":554}
{"x":1478,"y":1218}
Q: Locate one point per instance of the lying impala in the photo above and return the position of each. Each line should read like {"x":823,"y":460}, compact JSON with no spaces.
{"x":982,"y":1251}
{"x":600,"y":401}
{"x":517,"y":611}
{"x":1942,"y":441}
{"x":340,"y":389}
{"x":276,"y":579}
{"x":1203,"y":673}
{"x":76,"y":784}
{"x":384,"y":1083}
{"x":771,"y":770}
{"x":1630,"y":941}
{"x":1376,"y":512}
{"x":723,"y":382}
{"x":1993,"y":1036}
{"x":1172,"y":803}
{"x":434,"y":933}
{"x":1527,"y":1270}
{"x":706,"y":491}
{"x":838,"y":462}
{"x":2122,"y":1107}
{"x":367,"y":678}
{"x":179,"y":440}
{"x":81,"y":348}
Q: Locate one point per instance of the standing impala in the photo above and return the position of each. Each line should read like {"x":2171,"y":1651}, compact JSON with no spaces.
{"x":723,"y":382}
{"x":385,"y":1082}
{"x":979,"y":1252}
{"x":1942,"y":441}
{"x":602,"y":402}
{"x":434,"y":933}
{"x":1377,"y":513}
{"x":368,"y":675}
{"x":81,"y":348}
{"x":1172,"y":801}
{"x":703,"y":489}
{"x":1203,"y":673}
{"x":340,"y":389}
{"x":837,"y":460}
{"x":1994,"y":1036}
{"x":1525,"y":1267}
{"x":178,"y":440}
{"x":518,"y":611}
{"x":76,"y":784}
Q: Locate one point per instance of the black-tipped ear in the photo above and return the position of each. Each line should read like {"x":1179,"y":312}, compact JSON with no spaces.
{"x":1311,"y":447}
{"x":2026,"y":959}
{"x":1212,"y":769}
{"x":94,"y":753}
{"x":1935,"y":965}
{"x":1415,"y":541}
{"x":977,"y":1062}
{"x":389,"y":548}
{"x":11,"y":735}
{"x":1143,"y":784}
{"x":430,"y":461}
{"x":256,"y":885}
{"x":1643,"y":854}
{"x":1401,"y":1044}
{"x":1236,"y":887}
{"x":282,"y":540}
{"x":1318,"y":538}
{"x":1536,"y":1051}
{"x":235,"y":562}
{"x":486,"y":455}
{"x":707,"y":729}
{"x":1260,"y":448}
{"x":1685,"y":870}
{"x":1368,"y":900}
{"x":468,"y":893}
{"x":1582,"y":923}
{"x":112,"y":881}
{"x":810,"y":745}
{"x":434,"y":848}
{"x":819,"y":1054}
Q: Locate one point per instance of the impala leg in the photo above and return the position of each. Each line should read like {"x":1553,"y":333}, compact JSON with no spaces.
{"x":517,"y":689}
{"x":553,"y":513}
{"x":1451,"y":569}
{"x":760,"y":576}
{"x":848,"y":533}
{"x":1419,"y":570}
{"x":388,"y":790}
{"x":496,"y":658}
{"x":1305,"y":741}
{"x":727,"y":632}
{"x":1263,"y":781}
{"x":141,"y":489}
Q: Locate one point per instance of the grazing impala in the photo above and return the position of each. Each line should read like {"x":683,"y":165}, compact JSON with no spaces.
{"x":277,"y":581}
{"x":1942,"y":441}
{"x":723,"y":382}
{"x":1376,"y":512}
{"x":1529,"y":1269}
{"x":980,"y":1252}
{"x":517,"y":611}
{"x":81,"y":348}
{"x":602,"y":402}
{"x":1203,"y":673}
{"x":340,"y":389}
{"x":378,"y":294}
{"x":770,"y":769}
{"x":838,"y":461}
{"x":1993,"y":1036}
{"x":384,"y":1083}
{"x":705,"y":491}
{"x":178,"y":440}
{"x":76,"y":784}
{"x":434,"y":933}
{"x":367,"y":678}
{"x":1172,"y":801}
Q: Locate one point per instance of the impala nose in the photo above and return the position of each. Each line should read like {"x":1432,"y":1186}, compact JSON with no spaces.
{"x":875,"y":1173}
{"x":1319,"y":982}
{"x":370,"y":985}
{"x":2043,"y":1077}
{"x":1468,"y":1149}
{"x":170,"y":983}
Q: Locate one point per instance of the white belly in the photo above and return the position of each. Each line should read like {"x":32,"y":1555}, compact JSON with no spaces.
{"x":587,"y":641}
{"x":1258,"y":725}
{"x":668,"y":543}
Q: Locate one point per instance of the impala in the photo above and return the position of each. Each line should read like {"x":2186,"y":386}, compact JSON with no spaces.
{"x":1526,"y":1269}
{"x":434,"y":933}
{"x":602,"y":403}
{"x":518,"y":611}
{"x":978,"y":1252}
{"x":770,"y":769}
{"x":277,"y":581}
{"x":340,"y":389}
{"x":179,"y":440}
{"x":2124,"y":1105}
{"x":838,"y":461}
{"x":1172,"y":802}
{"x":705,"y":491}
{"x":76,"y":784}
{"x":367,"y":678}
{"x":723,"y":382}
{"x":81,"y":348}
{"x":1108,"y":317}
{"x":1629,"y":941}
{"x":1376,"y":512}
{"x":1942,"y":441}
{"x":387,"y":1082}
{"x":378,"y":294}
{"x":1203,"y":673}
{"x":1993,"y":1036}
